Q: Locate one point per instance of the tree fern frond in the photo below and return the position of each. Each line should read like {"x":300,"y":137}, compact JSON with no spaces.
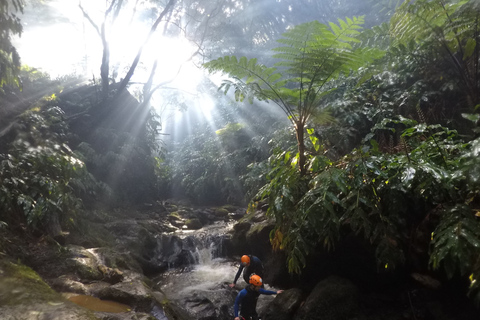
{"x":422,"y":19}
{"x":456,"y":239}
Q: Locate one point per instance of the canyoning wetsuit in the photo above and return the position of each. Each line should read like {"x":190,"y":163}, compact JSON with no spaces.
{"x":247,"y":299}
{"x":255,"y":266}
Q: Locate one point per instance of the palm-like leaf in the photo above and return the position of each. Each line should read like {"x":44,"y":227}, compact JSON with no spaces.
{"x":452,"y":25}
{"x":425,"y":19}
{"x":312,"y":54}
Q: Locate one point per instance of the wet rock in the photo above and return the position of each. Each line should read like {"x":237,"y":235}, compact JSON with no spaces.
{"x":252,"y":238}
{"x":64,"y":284}
{"x":133,"y":293}
{"x":172,"y":251}
{"x":205,"y":216}
{"x":25,"y":296}
{"x":95,"y":287}
{"x":84,"y":263}
{"x":174,"y":311}
{"x":175,"y":220}
{"x":111,"y":275}
{"x":124,"y":316}
{"x":115,"y":260}
{"x":284,"y":306}
{"x":193,"y":224}
{"x":259,"y":216}
{"x":221,"y":212}
{"x":216,"y":304}
{"x":237,"y":214}
{"x":334,"y":298}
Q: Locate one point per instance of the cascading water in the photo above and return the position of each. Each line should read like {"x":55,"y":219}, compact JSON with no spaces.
{"x":198,"y":262}
{"x":199,"y":273}
{"x":196,"y":282}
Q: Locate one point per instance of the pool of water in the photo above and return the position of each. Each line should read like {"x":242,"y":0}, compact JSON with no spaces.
{"x":96,"y":304}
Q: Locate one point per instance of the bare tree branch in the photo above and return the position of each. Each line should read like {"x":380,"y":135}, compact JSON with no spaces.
{"x":87,"y":16}
{"x":135,"y":62}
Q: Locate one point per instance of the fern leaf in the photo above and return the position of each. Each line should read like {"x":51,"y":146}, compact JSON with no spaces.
{"x":456,"y":241}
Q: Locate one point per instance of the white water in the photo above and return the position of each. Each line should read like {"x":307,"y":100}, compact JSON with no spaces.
{"x":209,"y":273}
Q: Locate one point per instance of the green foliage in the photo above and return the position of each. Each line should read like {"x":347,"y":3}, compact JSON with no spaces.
{"x":455,"y":241}
{"x":207,"y":167}
{"x":42,"y":180}
{"x":312,"y":56}
{"x":117,"y":142}
{"x":9,"y":58}
{"x":448,"y":30}
{"x":383,"y":196}
{"x":416,"y":21}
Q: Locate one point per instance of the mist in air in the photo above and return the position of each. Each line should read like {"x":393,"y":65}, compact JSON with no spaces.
{"x":63,"y":38}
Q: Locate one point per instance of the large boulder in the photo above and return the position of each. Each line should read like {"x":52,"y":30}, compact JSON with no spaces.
{"x":284,"y":306}
{"x":334,"y":298}
{"x":215,"y":304}
{"x":25,"y":296}
{"x":134,"y":293}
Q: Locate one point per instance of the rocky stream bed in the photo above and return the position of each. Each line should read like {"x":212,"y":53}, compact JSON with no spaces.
{"x":173,"y":261}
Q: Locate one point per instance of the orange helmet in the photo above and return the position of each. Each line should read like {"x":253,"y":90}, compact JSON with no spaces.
{"x":255,"y":280}
{"x":245,"y":260}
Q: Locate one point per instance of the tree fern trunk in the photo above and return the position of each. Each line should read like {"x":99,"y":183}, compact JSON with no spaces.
{"x":300,"y":128}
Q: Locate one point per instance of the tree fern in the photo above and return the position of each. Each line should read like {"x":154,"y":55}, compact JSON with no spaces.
{"x":424,"y":19}
{"x":312,"y":55}
{"x":450,"y":27}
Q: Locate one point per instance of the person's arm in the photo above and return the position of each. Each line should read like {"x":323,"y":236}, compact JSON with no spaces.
{"x":239,"y":272}
{"x":238,"y":300}
{"x":269,"y":292}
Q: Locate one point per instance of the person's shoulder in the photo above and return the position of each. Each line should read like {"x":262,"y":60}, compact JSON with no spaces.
{"x":243,"y":291}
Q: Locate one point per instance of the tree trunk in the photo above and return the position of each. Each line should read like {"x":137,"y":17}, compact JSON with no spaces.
{"x":300,"y":129}
{"x":105,"y":67}
{"x":133,"y":66}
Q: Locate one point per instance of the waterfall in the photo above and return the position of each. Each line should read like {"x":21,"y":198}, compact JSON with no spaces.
{"x":196,"y":260}
{"x":188,"y":248}
{"x":205,"y":256}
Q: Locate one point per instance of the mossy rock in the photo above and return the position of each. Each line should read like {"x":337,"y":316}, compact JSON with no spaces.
{"x":229,"y":208}
{"x":173,"y":311}
{"x":260,"y":231}
{"x":175,"y":214}
{"x":193,"y":224}
{"x":221,"y":212}
{"x":84,"y":263}
{"x":24,"y":296}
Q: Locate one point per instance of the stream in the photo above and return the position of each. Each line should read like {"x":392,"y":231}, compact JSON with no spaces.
{"x":201,"y":287}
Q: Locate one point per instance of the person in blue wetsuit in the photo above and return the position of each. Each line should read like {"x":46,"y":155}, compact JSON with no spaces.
{"x":252,"y":265}
{"x":246,"y":300}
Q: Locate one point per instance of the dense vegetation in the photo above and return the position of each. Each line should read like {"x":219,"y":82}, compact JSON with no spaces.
{"x":383,"y":138}
{"x":400,"y":164}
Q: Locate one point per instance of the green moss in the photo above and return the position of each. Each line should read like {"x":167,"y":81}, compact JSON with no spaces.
{"x":221,"y":212}
{"x":175,"y":214}
{"x":229,"y":208}
{"x":248,"y":217}
{"x":18,"y":271}
{"x":20,"y":284}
